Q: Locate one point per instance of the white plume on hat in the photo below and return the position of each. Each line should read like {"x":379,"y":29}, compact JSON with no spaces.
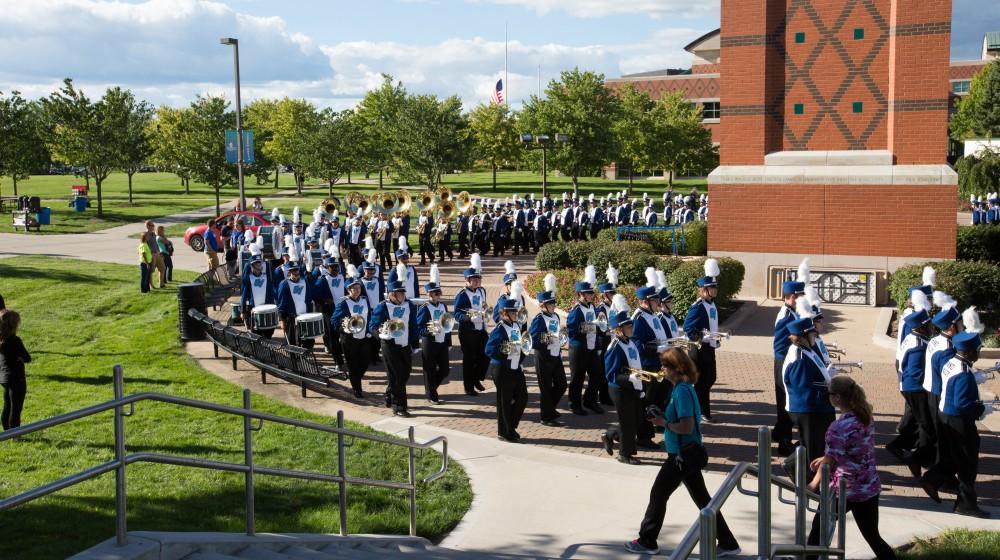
{"x":665,"y":197}
{"x":476,"y":262}
{"x":328,"y":246}
{"x":402,"y":243}
{"x":352,"y":271}
{"x":372,"y":255}
{"x":803,"y":272}
{"x":310,"y":230}
{"x":972,"y":198}
{"x":296,"y":215}
{"x":369,"y":243}
{"x":619,"y":304}
{"x":317,"y":215}
{"x":516,"y":290}
{"x":275,"y":213}
{"x":550,"y":283}
{"x":259,"y":243}
{"x":645,"y":196}
{"x":508,"y":267}
{"x":661,"y":280}
{"x":591,"y":197}
{"x":650,"y":273}
{"x":254,"y":249}
{"x":970,"y":319}
{"x":712,"y":268}
{"x":943,"y":300}
{"x":803,"y":309}
{"x":612,"y":275}
{"x":401,"y":272}
{"x":812,"y":296}
{"x":590,"y":275}
{"x":435,"y":274}
{"x":293,"y":251}
{"x":929,"y":276}
{"x":248,"y":236}
{"x":336,"y":214}
{"x":335,"y":253}
{"x":920,"y":302}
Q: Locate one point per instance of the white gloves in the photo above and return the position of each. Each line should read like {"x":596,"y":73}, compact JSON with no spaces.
{"x":636,"y":382}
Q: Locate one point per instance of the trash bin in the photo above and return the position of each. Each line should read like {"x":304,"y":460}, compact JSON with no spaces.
{"x":80,"y":203}
{"x":44,"y":216}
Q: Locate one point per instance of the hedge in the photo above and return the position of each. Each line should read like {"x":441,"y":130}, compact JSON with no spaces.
{"x":681,"y":282}
{"x":695,"y":239}
{"x":631,"y":258}
{"x":969,"y":282}
{"x":565,"y":287}
{"x":978,"y":243}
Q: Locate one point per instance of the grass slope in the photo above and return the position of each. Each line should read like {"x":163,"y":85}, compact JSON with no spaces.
{"x":956,"y":544}
{"x":78,"y":320}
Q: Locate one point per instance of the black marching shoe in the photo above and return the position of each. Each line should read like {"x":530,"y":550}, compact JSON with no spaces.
{"x":402,"y":414}
{"x":973,"y":512}
{"x":578,"y":411}
{"x":359,"y":394}
{"x":388,"y":400}
{"x":595,"y":408}
{"x":647,"y":444}
{"x":552,"y":423}
{"x":609,"y":444}
{"x":931,"y":491}
{"x":479,"y":386}
{"x":472,"y":393}
{"x":628,"y":460}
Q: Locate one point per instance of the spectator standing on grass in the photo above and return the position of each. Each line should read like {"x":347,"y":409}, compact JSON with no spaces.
{"x":145,"y":262}
{"x":211,"y":245}
{"x":13,"y":356}
{"x":850,"y":452}
{"x":154,"y":249}
{"x":258,"y":206}
{"x":167,"y":251}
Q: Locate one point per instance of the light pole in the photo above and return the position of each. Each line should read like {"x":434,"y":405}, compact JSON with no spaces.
{"x":239,"y":119}
{"x":542,"y":142}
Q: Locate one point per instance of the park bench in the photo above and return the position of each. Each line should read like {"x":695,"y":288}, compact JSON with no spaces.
{"x":220,"y":284}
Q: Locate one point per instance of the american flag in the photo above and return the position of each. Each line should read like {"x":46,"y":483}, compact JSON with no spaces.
{"x":497,"y":97}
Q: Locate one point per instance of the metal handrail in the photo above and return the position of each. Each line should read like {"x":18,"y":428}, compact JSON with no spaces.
{"x":672,"y":228}
{"x":703,"y":531}
{"x":248,"y":467}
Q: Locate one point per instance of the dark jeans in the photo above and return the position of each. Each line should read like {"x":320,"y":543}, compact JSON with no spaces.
{"x":812,"y":434}
{"x":168,"y":263}
{"x":583,"y":363}
{"x":667,"y":480}
{"x":512,"y":397}
{"x":14,"y":391}
{"x":551,"y":382}
{"x":398,"y":364}
{"x":630,"y":413}
{"x":866,"y":516}
{"x":144,"y":270}
{"x":782,"y":431}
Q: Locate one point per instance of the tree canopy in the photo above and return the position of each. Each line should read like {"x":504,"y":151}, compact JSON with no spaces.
{"x":21,"y":150}
{"x":978,"y":114}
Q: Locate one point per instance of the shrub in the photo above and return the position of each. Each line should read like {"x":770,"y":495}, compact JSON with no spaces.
{"x":579,"y":252}
{"x":630,"y":258}
{"x":565,"y":287}
{"x":681,"y":282}
{"x":609,"y":235}
{"x":978,"y":243}
{"x":668,"y":264}
{"x":696,"y":238}
{"x":969,"y":282}
{"x":554,"y":255}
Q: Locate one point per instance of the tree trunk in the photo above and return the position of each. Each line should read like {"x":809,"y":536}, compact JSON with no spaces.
{"x":348,"y":177}
{"x":277,"y":173}
{"x":86,"y":177}
{"x":630,"y":179}
{"x":130,"y":173}
{"x":670,"y":178}
{"x":494,"y":175}
{"x":218,"y":206}
{"x":576,"y":186}
{"x":331,"y":189}
{"x":187,"y":186}
{"x":15,"y":183}
{"x":100,"y":201}
{"x":379,"y":179}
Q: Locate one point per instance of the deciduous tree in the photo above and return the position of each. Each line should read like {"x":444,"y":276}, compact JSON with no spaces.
{"x":494,"y":133}
{"x":21,"y":148}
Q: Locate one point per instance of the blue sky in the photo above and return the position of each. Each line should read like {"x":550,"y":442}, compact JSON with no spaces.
{"x":332,"y":51}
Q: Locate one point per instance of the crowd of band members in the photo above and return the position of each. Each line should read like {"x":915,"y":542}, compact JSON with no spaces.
{"x":985,"y":211}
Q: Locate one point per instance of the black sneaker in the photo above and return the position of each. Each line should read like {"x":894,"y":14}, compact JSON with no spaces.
{"x":479,"y":386}
{"x":472,"y":393}
{"x":552,"y":423}
{"x":638,"y":548}
{"x":647,"y":444}
{"x":388,"y":400}
{"x":721,"y":552}
{"x":579,"y":411}
{"x":403,"y":414}
{"x":609,"y":444}
{"x":785,"y":448}
{"x":974,"y":512}
{"x":931,"y":491}
{"x":628,"y":460}
{"x":596,"y":408}
{"x":359,"y":394}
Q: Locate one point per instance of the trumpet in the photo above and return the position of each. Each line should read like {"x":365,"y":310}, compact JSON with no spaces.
{"x":443,"y":324}
{"x":683,"y":342}
{"x":844,"y":367}
{"x":392,"y":328}
{"x":523,"y":345}
{"x":463,"y":202}
{"x":562,"y":336}
{"x":835,"y":350}
{"x":988,"y":374}
{"x":714,"y":335}
{"x":403,"y":202}
{"x":645,"y":375}
{"x":427,"y":200}
{"x":355,"y":324}
{"x":330,"y":205}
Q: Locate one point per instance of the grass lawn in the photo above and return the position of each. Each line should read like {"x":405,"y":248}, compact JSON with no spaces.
{"x":160,"y":194}
{"x":78,"y":320}
{"x":956,"y":544}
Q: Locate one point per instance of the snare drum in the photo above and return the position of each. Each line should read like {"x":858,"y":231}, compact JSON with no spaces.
{"x":316,"y":257}
{"x":270,"y":243}
{"x":265,"y":317}
{"x":309,"y":325}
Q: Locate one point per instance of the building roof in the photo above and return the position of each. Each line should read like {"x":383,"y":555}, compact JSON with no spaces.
{"x":659,"y":73}
{"x":693,"y":45}
{"x":993,"y":40}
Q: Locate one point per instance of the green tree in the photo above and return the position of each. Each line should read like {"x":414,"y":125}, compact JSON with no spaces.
{"x":82,"y":132}
{"x":205,"y":143}
{"x":494,"y":132}
{"x":377,"y":115}
{"x":635,"y":131}
{"x":978,"y":173}
{"x":170,"y":138}
{"x":293,"y":124}
{"x":431,"y":138}
{"x":137,"y":146}
{"x":683,"y":144}
{"x":978,"y":114}
{"x":21,"y":150}
{"x":257,"y":117}
{"x":329,"y":155}
{"x":580,"y":106}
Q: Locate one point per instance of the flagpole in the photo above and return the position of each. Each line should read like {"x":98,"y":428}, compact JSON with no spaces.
{"x":506,"y":82}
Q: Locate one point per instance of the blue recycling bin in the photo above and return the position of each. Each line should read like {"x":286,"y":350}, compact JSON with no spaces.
{"x":44,"y":216}
{"x":80,"y":203}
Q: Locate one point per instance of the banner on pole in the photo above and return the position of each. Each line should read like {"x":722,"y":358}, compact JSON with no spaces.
{"x":231,"y":146}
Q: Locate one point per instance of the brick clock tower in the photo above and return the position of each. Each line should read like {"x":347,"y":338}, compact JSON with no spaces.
{"x":834,"y":138}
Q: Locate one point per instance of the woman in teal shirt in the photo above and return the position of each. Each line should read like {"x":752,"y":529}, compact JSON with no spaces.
{"x":686,"y":457}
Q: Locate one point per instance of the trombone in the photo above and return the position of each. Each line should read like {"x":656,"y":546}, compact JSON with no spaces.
{"x":392,"y":328}
{"x":645,"y":375}
{"x":714,"y":335}
{"x":355,"y":324}
{"x":443,"y":324}
{"x":846,"y":367}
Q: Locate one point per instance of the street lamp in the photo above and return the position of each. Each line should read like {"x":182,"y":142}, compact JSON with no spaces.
{"x":239,"y":119}
{"x":543,"y":142}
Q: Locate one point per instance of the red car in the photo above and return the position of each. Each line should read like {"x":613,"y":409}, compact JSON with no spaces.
{"x":194,"y":237}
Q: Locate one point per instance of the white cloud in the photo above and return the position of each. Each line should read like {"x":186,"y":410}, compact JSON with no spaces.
{"x":601,"y":8}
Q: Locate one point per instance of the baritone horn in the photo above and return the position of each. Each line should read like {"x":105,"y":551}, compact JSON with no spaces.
{"x":355,"y":324}
{"x":392,"y":328}
{"x":444,"y":324}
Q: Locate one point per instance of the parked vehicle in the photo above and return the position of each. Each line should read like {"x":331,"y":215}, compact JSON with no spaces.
{"x":194,"y":237}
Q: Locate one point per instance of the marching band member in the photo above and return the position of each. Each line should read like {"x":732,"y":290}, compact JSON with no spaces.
{"x":929,"y":278}
{"x":355,"y":345}
{"x":373,"y":288}
{"x":907,"y":429}
{"x":295,"y":297}
{"x":532,"y":209}
{"x":434,"y":342}
{"x":582,"y":219}
{"x":978,"y":215}
{"x":425,"y":229}
{"x":621,"y":362}
{"x":329,"y":289}
{"x":959,"y":408}
{"x":665,"y":311}
{"x":257,"y":289}
{"x":598,"y":220}
{"x":549,"y":370}
{"x":649,"y":214}
{"x":703,"y":316}
{"x":913,"y":445}
{"x":566,"y":222}
{"x":806,"y":379}
{"x":607,"y":290}
{"x":503,"y":348}
{"x":398,"y":346}
{"x":357,"y":232}
{"x":404,"y":271}
{"x":520,"y":227}
{"x":509,"y":277}
{"x":791,"y":291}
{"x":383,"y":239}
{"x":442,"y":234}
{"x":463,"y":235}
{"x":583,"y":357}
{"x":993,"y":212}
{"x":472,"y":327}
{"x":703,"y":209}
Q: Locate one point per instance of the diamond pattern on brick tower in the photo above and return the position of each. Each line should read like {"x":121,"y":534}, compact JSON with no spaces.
{"x":829,"y":72}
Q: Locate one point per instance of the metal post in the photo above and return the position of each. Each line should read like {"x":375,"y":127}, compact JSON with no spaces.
{"x":342,"y":473}
{"x":413,"y":489}
{"x":842,"y":515}
{"x":121,"y":525}
{"x":707,"y":537}
{"x":248,"y":459}
{"x":763,"y":493}
{"x":801,"y":496}
{"x":239,"y":125}
{"x":824,"y":509}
